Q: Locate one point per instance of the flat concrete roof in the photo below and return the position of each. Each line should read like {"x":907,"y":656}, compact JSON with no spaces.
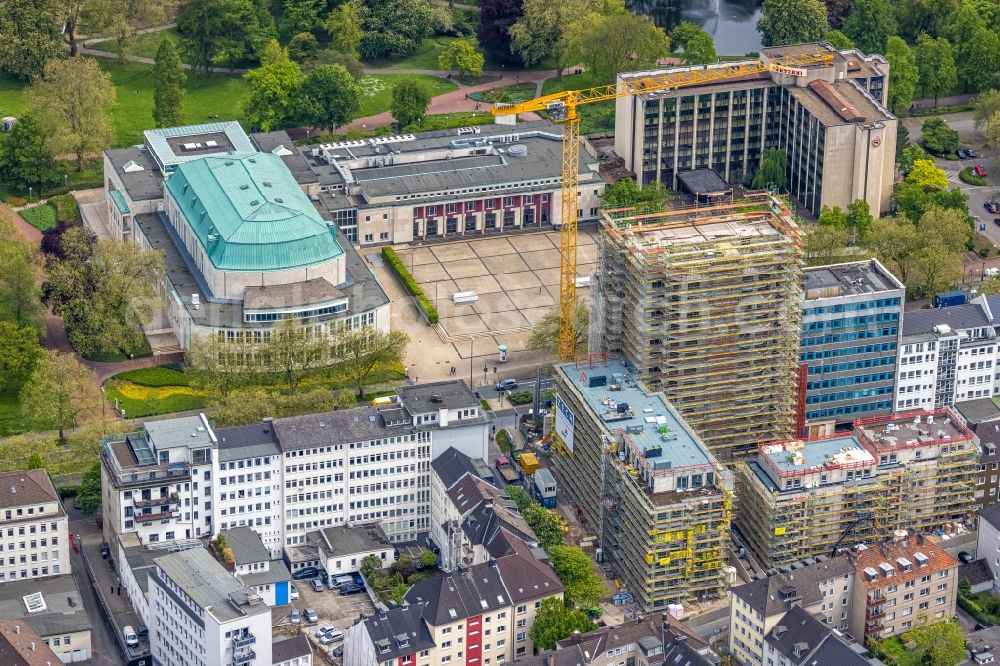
{"x":859,"y":277}
{"x":903,"y":430}
{"x":645,"y":413}
{"x":798,"y":456}
{"x":209,"y":585}
{"x":192,"y":432}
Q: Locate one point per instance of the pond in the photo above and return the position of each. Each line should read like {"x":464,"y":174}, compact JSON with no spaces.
{"x":731,"y":23}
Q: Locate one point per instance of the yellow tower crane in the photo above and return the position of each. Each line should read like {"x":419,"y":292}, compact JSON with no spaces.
{"x":562,"y":108}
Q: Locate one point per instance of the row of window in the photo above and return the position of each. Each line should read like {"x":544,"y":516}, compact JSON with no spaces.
{"x":852,"y":307}
{"x":848,"y":337}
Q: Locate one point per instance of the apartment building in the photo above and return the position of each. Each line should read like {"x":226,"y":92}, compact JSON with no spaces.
{"x":798,"y":497}
{"x":658,"y":499}
{"x":988,"y":539}
{"x":54,"y":608}
{"x":156,"y":482}
{"x":200,"y":615}
{"x":221,"y":211}
{"x":949,"y":355}
{"x":248,"y":491}
{"x":644,"y":641}
{"x":254,"y":567}
{"x":822,"y":588}
{"x":469,"y":514}
{"x":903,"y":582}
{"x":476,"y":615}
{"x":982,"y":416}
{"x":20,"y":645}
{"x":705,"y":304}
{"x":849,"y":343}
{"x":34,"y":527}
{"x":829,"y":118}
{"x":802,"y":640}
{"x":473,"y":181}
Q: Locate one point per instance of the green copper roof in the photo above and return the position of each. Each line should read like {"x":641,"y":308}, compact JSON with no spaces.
{"x":250,"y":215}
{"x":120,"y":202}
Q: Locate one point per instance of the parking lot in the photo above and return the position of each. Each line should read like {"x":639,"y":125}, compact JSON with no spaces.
{"x":330,"y":607}
{"x":516,"y":279}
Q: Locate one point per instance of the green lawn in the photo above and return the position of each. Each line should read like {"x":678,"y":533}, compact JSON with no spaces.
{"x":594,"y":118}
{"x":426,"y":57}
{"x":40,"y":217}
{"x":145,"y":45}
{"x":515,"y":93}
{"x":443,"y":121}
{"x":378,"y":90}
{"x":12,"y":101}
{"x":149,"y":391}
{"x":11,"y":421}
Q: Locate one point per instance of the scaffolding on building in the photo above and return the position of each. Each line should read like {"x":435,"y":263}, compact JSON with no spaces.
{"x":705,"y":303}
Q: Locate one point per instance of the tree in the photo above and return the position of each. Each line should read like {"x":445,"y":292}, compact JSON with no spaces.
{"x":859,"y":217}
{"x":303,"y":48}
{"x":870,"y":25}
{"x":827,"y":244}
{"x":938,"y":137}
{"x":941,"y":643}
{"x":226,"y":32}
{"x":545,"y":523}
{"x":344,"y":26}
{"x":834,"y":217}
{"x":554,"y":622}
{"x":792,"y":21}
{"x":393,"y":28}
{"x":926,"y":175}
{"x":123,"y":18}
{"x":272,"y":89}
{"x":370,"y":565}
{"x":329,"y":97}
{"x":104,"y":293}
{"x":410,"y":99}
{"x":72,"y":103}
{"x":895,"y":243}
{"x":936,"y":63}
{"x":26,"y":158}
{"x":88,"y":497}
{"x":545,"y":332}
{"x":428,"y":559}
{"x":223,"y":366}
{"x":911,"y":154}
{"x":345,"y":60}
{"x":60,"y":393}
{"x":299,"y":16}
{"x":840,"y":41}
{"x":624,"y":193}
{"x":977,"y":68}
{"x":18,"y":290}
{"x":773,"y":163}
{"x":993,"y":130}
{"x":29,"y":38}
{"x":461,"y":56}
{"x":696,"y":45}
{"x":168,"y":86}
{"x":551,"y":29}
{"x":365,"y":350}
{"x":19,"y":352}
{"x":584,"y":588}
{"x":496,"y":17}
{"x":919,"y":16}
{"x":985,"y":106}
{"x":905,"y":75}
{"x":621,"y":42}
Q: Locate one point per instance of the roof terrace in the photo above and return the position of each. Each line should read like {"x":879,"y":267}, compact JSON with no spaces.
{"x":911,"y":429}
{"x":801,"y":457}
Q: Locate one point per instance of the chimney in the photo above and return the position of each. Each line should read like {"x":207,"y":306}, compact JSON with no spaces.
{"x":31,"y":646}
{"x":17,"y":629}
{"x":550,"y":659}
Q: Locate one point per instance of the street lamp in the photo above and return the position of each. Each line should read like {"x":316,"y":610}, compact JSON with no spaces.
{"x":66,"y":180}
{"x":472,"y":354}
{"x":29,"y":193}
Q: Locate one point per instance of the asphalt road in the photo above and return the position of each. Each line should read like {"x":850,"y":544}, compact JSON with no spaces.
{"x":104,"y":651}
{"x":527,"y":384}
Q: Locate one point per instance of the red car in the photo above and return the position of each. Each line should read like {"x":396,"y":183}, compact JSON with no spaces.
{"x":979,"y":170}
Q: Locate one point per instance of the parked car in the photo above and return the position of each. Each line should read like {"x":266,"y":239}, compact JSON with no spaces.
{"x":293,"y":592}
{"x":971,"y":153}
{"x":351,"y":589}
{"x":339,"y":651}
{"x":992,"y":207}
{"x":332,"y":636}
{"x":506,"y":384}
{"x":303,"y":574}
{"x":310,"y":615}
{"x":979,"y":170}
{"x":131,"y":639}
{"x":324,"y":628}
{"x":143,"y":631}
{"x":295,"y":617}
{"x":317,"y":585}
{"x":961,"y":153}
{"x":965,"y":557}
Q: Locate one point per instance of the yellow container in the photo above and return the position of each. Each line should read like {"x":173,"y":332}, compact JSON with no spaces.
{"x":528,"y":462}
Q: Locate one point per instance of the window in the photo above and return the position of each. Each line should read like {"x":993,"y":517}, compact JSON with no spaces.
{"x":369,"y":238}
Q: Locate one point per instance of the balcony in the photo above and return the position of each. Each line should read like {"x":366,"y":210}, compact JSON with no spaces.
{"x":241,"y":660}
{"x":146,"y":518}
{"x":244,"y":641}
{"x":155,"y":502}
{"x":875,"y":612}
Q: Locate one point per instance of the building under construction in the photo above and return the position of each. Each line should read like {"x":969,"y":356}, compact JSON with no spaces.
{"x":705,"y":303}
{"x":657,"y":498}
{"x":803,"y":498}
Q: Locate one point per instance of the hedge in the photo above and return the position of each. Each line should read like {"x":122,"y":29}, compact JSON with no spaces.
{"x":404,"y":276}
{"x":967,"y":176}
